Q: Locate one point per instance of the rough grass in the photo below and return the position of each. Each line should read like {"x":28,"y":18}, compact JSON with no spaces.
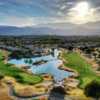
{"x":18,"y":74}
{"x":76,"y":62}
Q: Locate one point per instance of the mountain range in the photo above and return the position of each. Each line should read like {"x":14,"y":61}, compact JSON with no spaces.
{"x":55,"y":29}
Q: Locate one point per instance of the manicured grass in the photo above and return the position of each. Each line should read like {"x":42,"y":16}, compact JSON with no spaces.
{"x":21,"y":76}
{"x":76,"y":62}
{"x":30,"y":78}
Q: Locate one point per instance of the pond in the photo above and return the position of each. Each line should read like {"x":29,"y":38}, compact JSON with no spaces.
{"x":50,"y":67}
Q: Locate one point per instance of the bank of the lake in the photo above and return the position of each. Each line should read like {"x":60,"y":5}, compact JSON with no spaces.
{"x":20,"y":75}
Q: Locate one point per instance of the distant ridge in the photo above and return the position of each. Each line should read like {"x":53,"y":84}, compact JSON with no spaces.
{"x":19,"y":31}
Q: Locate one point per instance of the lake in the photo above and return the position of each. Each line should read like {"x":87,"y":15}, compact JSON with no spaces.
{"x":50,"y":67}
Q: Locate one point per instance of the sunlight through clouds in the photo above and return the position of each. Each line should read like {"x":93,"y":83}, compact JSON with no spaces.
{"x":82,"y":13}
{"x":32,"y":13}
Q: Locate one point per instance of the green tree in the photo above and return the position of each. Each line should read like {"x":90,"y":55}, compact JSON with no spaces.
{"x":26,"y":61}
{"x":93,"y":90}
{"x":1,"y":76}
{"x":30,"y":61}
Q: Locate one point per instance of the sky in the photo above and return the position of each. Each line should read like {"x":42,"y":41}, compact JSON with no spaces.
{"x":79,"y":16}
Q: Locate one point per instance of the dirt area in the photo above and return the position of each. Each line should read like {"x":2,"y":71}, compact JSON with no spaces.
{"x":4,"y":92}
{"x":78,"y":94}
{"x":27,"y":90}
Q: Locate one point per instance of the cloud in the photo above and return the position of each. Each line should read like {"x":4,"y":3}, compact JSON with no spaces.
{"x":29,"y":21}
{"x":40,"y":12}
{"x":93,"y":15}
{"x":18,"y":21}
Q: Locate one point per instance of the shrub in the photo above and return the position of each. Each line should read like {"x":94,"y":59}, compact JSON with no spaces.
{"x":93,"y":89}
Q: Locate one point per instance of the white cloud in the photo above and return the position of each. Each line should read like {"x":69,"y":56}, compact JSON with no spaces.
{"x":31,"y":21}
{"x":18,"y":21}
{"x":92,"y":15}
